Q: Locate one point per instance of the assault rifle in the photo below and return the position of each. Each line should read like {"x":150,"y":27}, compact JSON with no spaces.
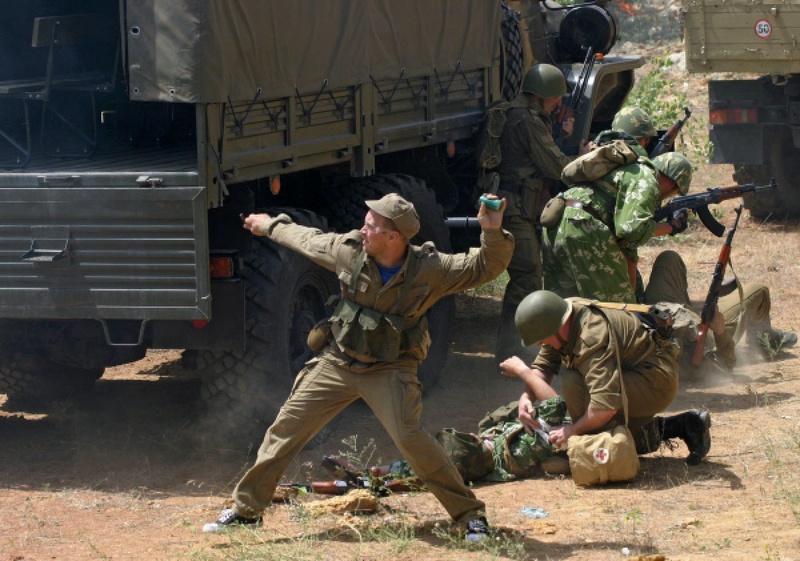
{"x":668,"y":138}
{"x":699,"y":203}
{"x":710,"y":305}
{"x":570,"y":108}
{"x":379,"y":482}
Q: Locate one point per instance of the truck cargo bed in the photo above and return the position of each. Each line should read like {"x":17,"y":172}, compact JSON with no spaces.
{"x":117,"y":160}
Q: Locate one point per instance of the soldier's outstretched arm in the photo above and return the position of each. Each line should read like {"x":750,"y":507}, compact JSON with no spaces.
{"x":488,"y":218}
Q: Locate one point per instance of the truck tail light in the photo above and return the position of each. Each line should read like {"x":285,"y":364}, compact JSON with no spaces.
{"x":736,"y":116}
{"x":222,"y":267}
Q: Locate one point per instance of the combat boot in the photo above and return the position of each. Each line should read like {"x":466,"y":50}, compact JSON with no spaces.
{"x":693,"y":427}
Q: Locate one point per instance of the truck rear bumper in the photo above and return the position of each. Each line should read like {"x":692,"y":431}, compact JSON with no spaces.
{"x":80,"y":252}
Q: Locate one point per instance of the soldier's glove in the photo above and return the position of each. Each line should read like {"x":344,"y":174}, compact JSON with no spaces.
{"x":679,"y":221}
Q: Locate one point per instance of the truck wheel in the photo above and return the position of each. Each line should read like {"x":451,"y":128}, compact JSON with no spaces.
{"x":347,"y":210}
{"x":783,"y":164}
{"x":30,"y":378}
{"x":286,"y":294}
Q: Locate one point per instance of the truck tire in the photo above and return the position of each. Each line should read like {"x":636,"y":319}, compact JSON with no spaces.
{"x":241,"y":392}
{"x":29,"y":378}
{"x":782,"y":163}
{"x":513,"y":53}
{"x":347,"y":210}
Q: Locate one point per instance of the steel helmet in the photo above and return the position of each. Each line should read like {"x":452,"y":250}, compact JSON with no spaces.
{"x":677,"y":167}
{"x":544,"y":80}
{"x":635,"y":122}
{"x":540,"y":315}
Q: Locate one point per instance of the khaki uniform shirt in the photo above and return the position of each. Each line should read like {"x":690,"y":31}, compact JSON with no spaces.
{"x":590,"y":351}
{"x":434,"y":276}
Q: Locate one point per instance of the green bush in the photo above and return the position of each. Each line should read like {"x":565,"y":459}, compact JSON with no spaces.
{"x":658,"y":95}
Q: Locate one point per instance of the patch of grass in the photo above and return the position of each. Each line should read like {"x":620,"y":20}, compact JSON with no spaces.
{"x":499,"y":545}
{"x":771,"y":348}
{"x":494,"y":288}
{"x":761,"y":399}
{"x":355,"y":453}
{"x":782,"y":452}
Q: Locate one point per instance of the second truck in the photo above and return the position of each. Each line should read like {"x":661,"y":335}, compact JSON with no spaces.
{"x":750,"y":49}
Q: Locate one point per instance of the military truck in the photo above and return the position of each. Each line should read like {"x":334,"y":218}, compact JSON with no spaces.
{"x":134,"y":134}
{"x":754,"y":117}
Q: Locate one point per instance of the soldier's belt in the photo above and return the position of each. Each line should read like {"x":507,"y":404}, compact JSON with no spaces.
{"x":662,"y":316}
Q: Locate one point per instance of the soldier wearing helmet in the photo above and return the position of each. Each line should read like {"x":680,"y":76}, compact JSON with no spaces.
{"x":592,"y":251}
{"x":676,"y":167}
{"x":602,"y":347}
{"x":529,"y":158}
{"x":634,"y":126}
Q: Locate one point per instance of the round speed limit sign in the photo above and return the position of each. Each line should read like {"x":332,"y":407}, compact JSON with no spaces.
{"x":763,"y":28}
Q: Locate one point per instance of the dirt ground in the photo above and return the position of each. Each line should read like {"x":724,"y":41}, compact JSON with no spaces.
{"x":119,"y":477}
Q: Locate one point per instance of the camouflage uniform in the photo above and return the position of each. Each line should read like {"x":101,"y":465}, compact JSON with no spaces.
{"x":630,"y":124}
{"x":668,"y":283}
{"x":608,"y":136}
{"x":585,"y":255}
{"x":515,"y":453}
{"x":591,"y":374}
{"x":502,"y":450}
{"x":334,"y":379}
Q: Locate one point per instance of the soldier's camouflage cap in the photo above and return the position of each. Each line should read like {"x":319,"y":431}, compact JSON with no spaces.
{"x":634,"y":121}
{"x":401,"y":212}
{"x":677,"y":167}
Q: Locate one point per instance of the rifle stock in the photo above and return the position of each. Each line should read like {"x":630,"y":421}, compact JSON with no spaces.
{"x":336,"y":487}
{"x":710,"y":304}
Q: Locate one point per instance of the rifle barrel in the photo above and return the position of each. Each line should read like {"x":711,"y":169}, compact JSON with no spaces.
{"x":712,"y":195}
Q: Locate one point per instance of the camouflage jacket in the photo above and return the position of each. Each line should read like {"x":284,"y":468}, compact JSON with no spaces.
{"x":501,"y":450}
{"x":586,"y":254}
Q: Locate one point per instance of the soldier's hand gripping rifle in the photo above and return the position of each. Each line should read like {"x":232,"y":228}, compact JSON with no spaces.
{"x":710,"y":305}
{"x":699,"y":203}
{"x":570,"y":108}
{"x":668,"y":138}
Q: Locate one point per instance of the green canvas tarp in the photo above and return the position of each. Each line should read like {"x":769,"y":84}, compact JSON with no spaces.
{"x":206,"y":51}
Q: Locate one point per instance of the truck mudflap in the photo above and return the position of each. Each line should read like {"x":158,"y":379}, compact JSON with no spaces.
{"x":106,"y":253}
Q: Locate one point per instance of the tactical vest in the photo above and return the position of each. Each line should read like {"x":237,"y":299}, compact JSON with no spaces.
{"x":368,"y":335}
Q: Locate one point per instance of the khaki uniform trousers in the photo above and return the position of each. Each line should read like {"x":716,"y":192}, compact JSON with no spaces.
{"x":525,"y":268}
{"x":668,"y":283}
{"x":323,"y":389}
{"x":650,"y":390}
